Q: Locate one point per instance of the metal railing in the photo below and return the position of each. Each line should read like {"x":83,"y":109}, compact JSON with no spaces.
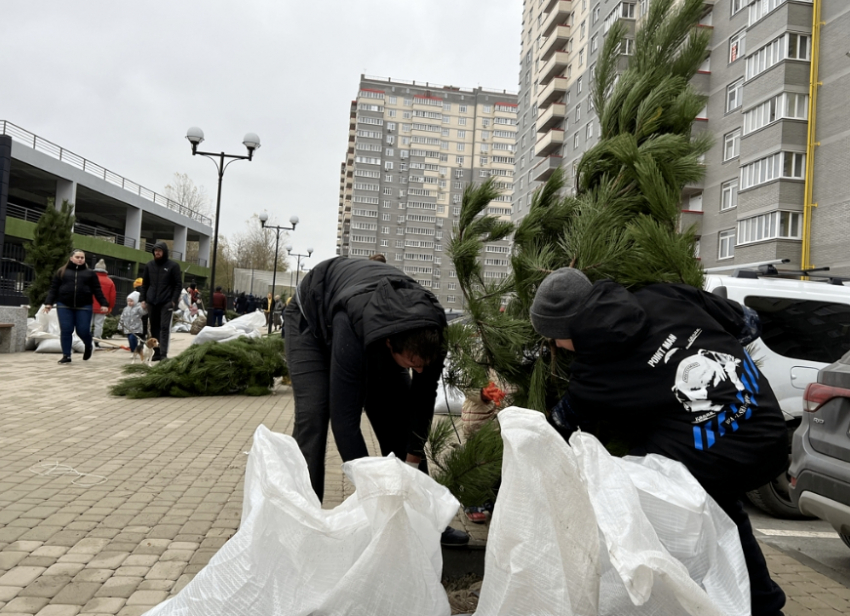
{"x":105,"y":235}
{"x":51,"y":149}
{"x":24,"y":213}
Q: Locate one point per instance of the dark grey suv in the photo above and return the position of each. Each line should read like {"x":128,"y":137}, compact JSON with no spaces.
{"x":820,"y":458}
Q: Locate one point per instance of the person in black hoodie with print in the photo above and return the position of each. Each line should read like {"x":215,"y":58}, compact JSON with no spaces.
{"x":665,"y":368}
{"x":72,"y":288}
{"x":354,"y":331}
{"x":162,"y":284}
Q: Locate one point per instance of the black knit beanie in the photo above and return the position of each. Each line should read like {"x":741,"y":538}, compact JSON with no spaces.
{"x":557,"y":301}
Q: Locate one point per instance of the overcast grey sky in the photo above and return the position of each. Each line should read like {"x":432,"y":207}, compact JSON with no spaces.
{"x":120,"y":82}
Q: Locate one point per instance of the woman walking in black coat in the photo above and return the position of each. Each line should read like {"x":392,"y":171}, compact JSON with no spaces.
{"x":72,"y":289}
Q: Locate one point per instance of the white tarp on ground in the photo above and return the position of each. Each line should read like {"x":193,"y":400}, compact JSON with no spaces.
{"x":378,"y":553}
{"x":577,"y":531}
{"x":252,"y":325}
{"x":574,"y":532}
{"x":43,"y":333}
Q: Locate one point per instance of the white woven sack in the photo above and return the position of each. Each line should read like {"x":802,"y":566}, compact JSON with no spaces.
{"x":378,"y":553}
{"x":578,"y":532}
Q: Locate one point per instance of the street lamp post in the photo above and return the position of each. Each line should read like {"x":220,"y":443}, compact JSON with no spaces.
{"x":294,"y":221}
{"x":295,"y":254}
{"x":195,"y":136}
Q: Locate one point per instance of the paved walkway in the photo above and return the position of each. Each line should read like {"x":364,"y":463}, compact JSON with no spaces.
{"x":110,"y":506}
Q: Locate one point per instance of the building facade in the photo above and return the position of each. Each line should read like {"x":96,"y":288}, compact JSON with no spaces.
{"x":116,"y":219}
{"x":776,"y":138}
{"x":412,"y":150}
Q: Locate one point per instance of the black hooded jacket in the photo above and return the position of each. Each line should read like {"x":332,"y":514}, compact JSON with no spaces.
{"x":665,"y":367}
{"x":352,"y":306}
{"x":162,"y":281}
{"x":75,"y":287}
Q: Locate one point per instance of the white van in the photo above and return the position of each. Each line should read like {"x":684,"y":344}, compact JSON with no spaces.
{"x":805,"y":326}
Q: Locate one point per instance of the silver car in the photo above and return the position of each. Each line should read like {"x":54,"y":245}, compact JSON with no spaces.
{"x":820,"y":455}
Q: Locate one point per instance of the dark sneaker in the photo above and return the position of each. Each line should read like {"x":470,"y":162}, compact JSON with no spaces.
{"x":87,"y":354}
{"x":453,"y":538}
{"x":65,"y":360}
{"x":159,"y":358}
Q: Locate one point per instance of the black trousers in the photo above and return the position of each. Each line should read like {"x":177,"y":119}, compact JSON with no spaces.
{"x":309,"y":370}
{"x":767,"y":598}
{"x":159,"y":320}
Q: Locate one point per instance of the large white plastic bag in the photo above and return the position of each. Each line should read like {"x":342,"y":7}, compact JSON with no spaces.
{"x":542,"y":548}
{"x":643,"y":508}
{"x":376,"y":553}
{"x":251,"y":321}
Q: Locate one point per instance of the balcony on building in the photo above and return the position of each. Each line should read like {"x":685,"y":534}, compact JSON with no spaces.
{"x":557,"y":15}
{"x":554,"y":92}
{"x":549,"y":143}
{"x":545,"y":168}
{"x":550,"y":5}
{"x":554,"y":67}
{"x":555,"y":42}
{"x":552,"y":117}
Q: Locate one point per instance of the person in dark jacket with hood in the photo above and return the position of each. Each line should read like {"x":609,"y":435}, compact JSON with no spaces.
{"x":353,"y":331}
{"x":73,"y":288}
{"x":162,"y":284}
{"x":665,"y":367}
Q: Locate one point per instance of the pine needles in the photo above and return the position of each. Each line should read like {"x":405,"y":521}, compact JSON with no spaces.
{"x":246,"y":366}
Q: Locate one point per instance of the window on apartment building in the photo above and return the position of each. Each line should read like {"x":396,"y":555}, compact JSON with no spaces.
{"x":581,"y":57}
{"x":460,"y":160}
{"x":388,"y":190}
{"x":734,"y":95}
{"x":575,"y":141}
{"x":387,"y":204}
{"x":786,"y":225}
{"x":589,"y":131}
{"x":461,"y":108}
{"x":790,"y":165}
{"x":589,"y":104}
{"x":578,"y":113}
{"x":406,"y":115}
{"x":569,"y":71}
{"x":385,"y":231}
{"x":644,"y":7}
{"x":595,"y":14}
{"x":488,"y":108}
{"x":738,"y":5}
{"x":447,"y":106}
{"x":391,"y":113}
{"x":731,"y":144}
{"x":390,"y":125}
{"x":390,"y":152}
{"x":578,"y":86}
{"x":729,"y":195}
{"x":594,"y":43}
{"x":485,"y":122}
{"x":736,"y":45}
{"x":408,"y":102}
{"x":786,"y":105}
{"x":461,"y":121}
{"x":569,"y":47}
{"x":393,"y":100}
{"x":390,"y":139}
{"x":461,"y":134}
{"x":582,"y":29}
{"x":726,"y":244}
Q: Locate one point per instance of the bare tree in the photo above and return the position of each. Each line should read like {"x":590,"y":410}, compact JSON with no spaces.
{"x":183,"y":190}
{"x":255,"y":246}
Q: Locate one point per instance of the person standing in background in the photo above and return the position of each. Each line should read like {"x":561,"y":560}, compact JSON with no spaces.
{"x":160,"y":291}
{"x":219,"y":306}
{"x":72,"y":289}
{"x":108,"y":288}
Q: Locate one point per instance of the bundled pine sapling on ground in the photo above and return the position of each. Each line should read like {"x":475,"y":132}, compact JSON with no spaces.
{"x":246,"y":366}
{"x":622,"y":223}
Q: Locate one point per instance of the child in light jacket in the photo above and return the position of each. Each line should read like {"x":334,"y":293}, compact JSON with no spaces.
{"x":131,"y":322}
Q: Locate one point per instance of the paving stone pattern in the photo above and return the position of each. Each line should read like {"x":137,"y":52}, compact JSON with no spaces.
{"x":110,"y":506}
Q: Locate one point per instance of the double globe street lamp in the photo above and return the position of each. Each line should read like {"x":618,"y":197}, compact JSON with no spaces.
{"x":196,"y":136}
{"x":263,"y":219}
{"x":298,"y":267}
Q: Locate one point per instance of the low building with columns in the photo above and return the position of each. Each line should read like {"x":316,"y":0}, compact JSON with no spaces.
{"x":116,"y":219}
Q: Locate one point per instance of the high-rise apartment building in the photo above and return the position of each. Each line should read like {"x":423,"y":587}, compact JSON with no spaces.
{"x":412,"y":150}
{"x":772,"y":140}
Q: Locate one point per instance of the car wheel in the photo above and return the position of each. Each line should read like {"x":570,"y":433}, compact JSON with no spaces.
{"x":774,"y":498}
